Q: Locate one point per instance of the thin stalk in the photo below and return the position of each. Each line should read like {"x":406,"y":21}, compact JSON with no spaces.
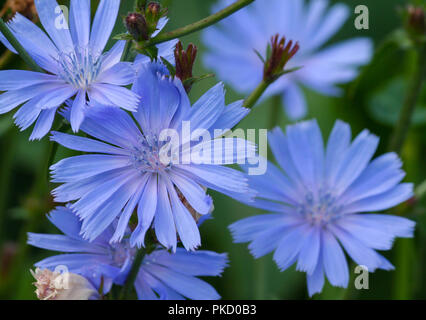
{"x":18,"y":47}
{"x":254,"y":97}
{"x":130,"y":281}
{"x":126,"y":52}
{"x":405,"y":247}
{"x":199,"y":25}
{"x":406,"y":115}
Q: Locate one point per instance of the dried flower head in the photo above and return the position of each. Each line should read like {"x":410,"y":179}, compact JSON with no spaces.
{"x":280,"y":54}
{"x":53,"y":285}
{"x":24,"y":7}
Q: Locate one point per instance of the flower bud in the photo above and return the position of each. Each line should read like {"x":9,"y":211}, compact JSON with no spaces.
{"x":416,"y":21}
{"x":52,"y":285}
{"x":137,"y":27}
{"x":185,"y":61}
{"x":280,"y":55}
{"x":153,"y":14}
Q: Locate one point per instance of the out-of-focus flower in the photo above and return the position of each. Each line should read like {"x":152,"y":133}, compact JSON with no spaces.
{"x":53,"y":285}
{"x":162,"y":275}
{"x":233,"y":42}
{"x":317,"y":201}
{"x":138,"y":167}
{"x":25,"y":7}
{"x":74,"y":60}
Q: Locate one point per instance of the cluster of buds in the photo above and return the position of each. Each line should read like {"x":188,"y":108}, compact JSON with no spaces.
{"x":278,"y":57}
{"x":25,"y":7}
{"x":416,"y":23}
{"x":53,"y":285}
{"x":185,"y":63}
{"x":143,"y":23}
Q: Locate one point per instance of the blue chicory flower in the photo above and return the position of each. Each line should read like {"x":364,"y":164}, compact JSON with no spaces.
{"x":162,"y":275}
{"x":75,"y":64}
{"x":232,"y":44}
{"x":127,"y":171}
{"x":317,"y":203}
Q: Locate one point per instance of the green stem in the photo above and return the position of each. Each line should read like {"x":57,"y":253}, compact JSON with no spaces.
{"x":130,"y":281}
{"x":18,"y":47}
{"x":254,"y":97}
{"x":406,"y":115}
{"x":126,"y":52}
{"x":405,"y":247}
{"x":199,"y":25}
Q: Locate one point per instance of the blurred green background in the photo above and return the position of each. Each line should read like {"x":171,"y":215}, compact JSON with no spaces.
{"x":372,"y":101}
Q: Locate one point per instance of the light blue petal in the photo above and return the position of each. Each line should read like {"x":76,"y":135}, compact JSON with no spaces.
{"x":383,"y":201}
{"x":18,"y":79}
{"x":377,"y":231}
{"x":207,"y":110}
{"x":11,"y":99}
{"x":112,"y":95}
{"x":80,"y":22}
{"x":198,"y":263}
{"x":57,"y":242}
{"x":266,"y":241}
{"x":360,"y":253}
{"x":248,"y":229}
{"x":146,"y":210}
{"x":66,"y":221}
{"x":164,"y":223}
{"x":78,"y":143}
{"x":356,"y":160}
{"x":35,"y":41}
{"x":78,"y":110}
{"x":50,"y":15}
{"x":294,"y":102}
{"x":380,"y":176}
{"x":185,"y":223}
{"x":310,"y":252}
{"x":97,"y":223}
{"x":316,"y":279}
{"x":193,"y":193}
{"x":290,"y":246}
{"x":55,"y":97}
{"x":80,"y":167}
{"x":337,"y":146}
{"x":103,"y":24}
{"x":335,"y":264}
{"x":121,"y":74}
{"x":27,"y":114}
{"x":188,"y":286}
{"x":44,"y":124}
{"x":307,"y":151}
{"x":231,"y":116}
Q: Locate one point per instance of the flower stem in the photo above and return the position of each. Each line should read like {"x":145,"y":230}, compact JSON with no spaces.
{"x":18,"y":47}
{"x":126,"y":52}
{"x":131,"y":278}
{"x":199,"y":25}
{"x":254,"y":97}
{"x":406,"y":115}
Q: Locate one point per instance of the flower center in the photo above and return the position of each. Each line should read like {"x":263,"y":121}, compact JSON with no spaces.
{"x":80,"y":67}
{"x":150,"y":155}
{"x":319,"y":208}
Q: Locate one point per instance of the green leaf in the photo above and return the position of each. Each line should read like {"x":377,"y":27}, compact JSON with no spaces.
{"x":123,"y":36}
{"x":169,"y":66}
{"x":386,"y":104}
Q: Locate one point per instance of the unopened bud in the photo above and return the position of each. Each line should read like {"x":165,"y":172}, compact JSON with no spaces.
{"x":416,"y":20}
{"x":185,"y":61}
{"x":53,"y":285}
{"x":153,"y":14}
{"x":137,"y":27}
{"x":281,"y":53}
